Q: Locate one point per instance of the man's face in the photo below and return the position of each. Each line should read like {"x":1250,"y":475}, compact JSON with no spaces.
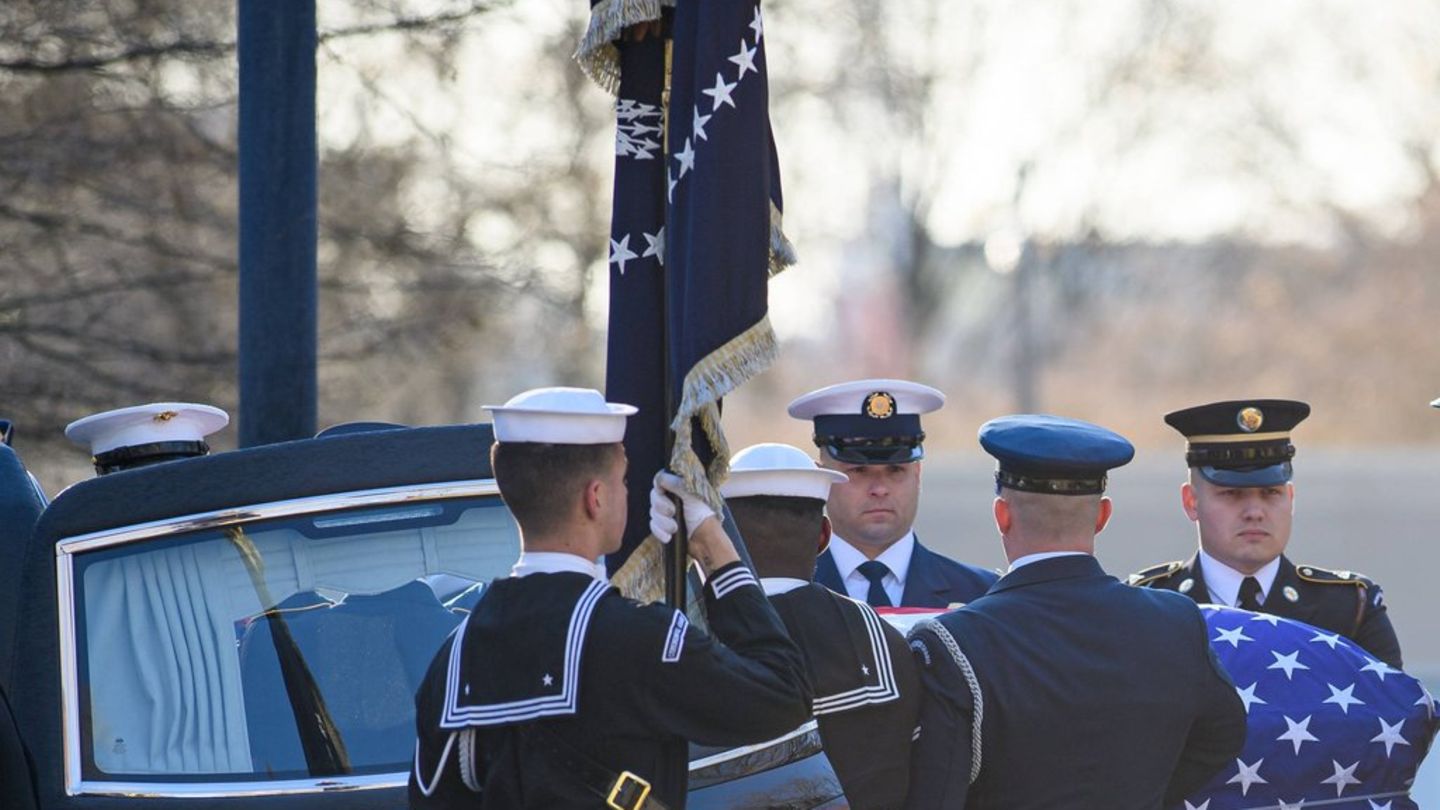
{"x":1243,"y":527}
{"x":876,"y":506}
{"x":615,"y":501}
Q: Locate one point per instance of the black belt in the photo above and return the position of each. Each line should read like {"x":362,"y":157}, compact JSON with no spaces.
{"x":622,"y":791}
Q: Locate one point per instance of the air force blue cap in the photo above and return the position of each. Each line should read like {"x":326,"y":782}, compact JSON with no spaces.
{"x":1053,"y":455}
{"x":1240,"y":443}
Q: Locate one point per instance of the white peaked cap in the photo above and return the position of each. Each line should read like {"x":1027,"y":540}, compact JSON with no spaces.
{"x":778,"y":469}
{"x":560,"y":416}
{"x":146,"y":424}
{"x":850,"y":398}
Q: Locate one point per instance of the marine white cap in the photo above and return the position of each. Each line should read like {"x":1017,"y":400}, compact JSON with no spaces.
{"x":146,"y":424}
{"x":560,"y":416}
{"x":778,"y":469}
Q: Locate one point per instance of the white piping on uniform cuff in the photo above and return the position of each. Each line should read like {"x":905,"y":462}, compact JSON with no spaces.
{"x":732,"y":580}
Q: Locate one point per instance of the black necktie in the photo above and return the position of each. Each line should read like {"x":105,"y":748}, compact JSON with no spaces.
{"x":875,"y":571}
{"x":1249,"y":594}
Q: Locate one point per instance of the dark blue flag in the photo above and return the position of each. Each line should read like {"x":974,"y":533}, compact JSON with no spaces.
{"x":1329,"y":725}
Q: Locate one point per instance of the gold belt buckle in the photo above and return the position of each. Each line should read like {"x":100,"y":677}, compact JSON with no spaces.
{"x":625,"y":784}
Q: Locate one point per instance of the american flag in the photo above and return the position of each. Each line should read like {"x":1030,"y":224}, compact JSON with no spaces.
{"x":1329,"y":725}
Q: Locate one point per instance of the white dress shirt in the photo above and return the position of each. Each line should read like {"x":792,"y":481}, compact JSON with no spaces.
{"x":778,"y":585}
{"x":554,"y":562}
{"x":896,"y":558}
{"x":1223,"y":581}
{"x":1042,"y":555}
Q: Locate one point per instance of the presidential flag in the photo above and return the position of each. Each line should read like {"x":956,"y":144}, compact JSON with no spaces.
{"x":1328,"y":725}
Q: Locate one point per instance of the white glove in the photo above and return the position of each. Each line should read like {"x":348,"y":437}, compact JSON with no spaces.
{"x":662,"y":510}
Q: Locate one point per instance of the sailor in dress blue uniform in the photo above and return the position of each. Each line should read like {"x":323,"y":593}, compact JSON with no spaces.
{"x":867,"y":692}
{"x":558,"y":692}
{"x":1062,"y":686}
{"x":870,"y":430}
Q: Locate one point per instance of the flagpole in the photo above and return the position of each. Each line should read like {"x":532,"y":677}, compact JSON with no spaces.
{"x":677,"y":551}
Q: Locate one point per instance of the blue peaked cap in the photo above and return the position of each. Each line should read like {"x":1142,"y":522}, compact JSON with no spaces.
{"x":1052,"y":454}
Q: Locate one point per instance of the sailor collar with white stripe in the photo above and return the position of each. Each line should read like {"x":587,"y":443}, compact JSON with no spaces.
{"x":876,"y":679}
{"x":556,"y":562}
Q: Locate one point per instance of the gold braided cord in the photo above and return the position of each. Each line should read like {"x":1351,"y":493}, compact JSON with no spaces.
{"x":596,"y":53}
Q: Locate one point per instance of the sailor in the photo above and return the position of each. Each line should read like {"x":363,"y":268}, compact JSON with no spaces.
{"x":1061,"y":686}
{"x":1242,"y":502}
{"x":867,"y":692}
{"x":141,"y":435}
{"x":556,"y":691}
{"x":870,"y":431}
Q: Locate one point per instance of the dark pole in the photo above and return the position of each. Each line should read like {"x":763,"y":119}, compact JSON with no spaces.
{"x":277,"y":220}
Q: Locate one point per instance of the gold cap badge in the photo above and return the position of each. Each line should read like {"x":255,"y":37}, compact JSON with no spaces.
{"x":165,"y":416}
{"x":1250,"y":419}
{"x":879,"y":405}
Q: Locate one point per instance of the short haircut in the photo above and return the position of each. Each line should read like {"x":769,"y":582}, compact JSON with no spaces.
{"x":539,"y":481}
{"x":780,"y":532}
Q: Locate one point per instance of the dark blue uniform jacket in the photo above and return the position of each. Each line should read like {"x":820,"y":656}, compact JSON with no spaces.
{"x":932,"y":581}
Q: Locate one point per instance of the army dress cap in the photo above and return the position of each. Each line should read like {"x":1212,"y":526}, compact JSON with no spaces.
{"x":772,"y":469}
{"x":145,"y":434}
{"x":560,"y":416}
{"x":869,"y":421}
{"x":1053,"y":455}
{"x":1240,"y":443}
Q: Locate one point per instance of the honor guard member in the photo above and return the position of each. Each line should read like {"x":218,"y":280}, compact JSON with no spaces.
{"x":870,"y":430}
{"x":142,"y":435}
{"x":558,"y":692}
{"x":1062,"y":686}
{"x":867,"y":692}
{"x":1242,"y":502}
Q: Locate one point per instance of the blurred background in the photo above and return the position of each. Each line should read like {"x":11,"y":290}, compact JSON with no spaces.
{"x":1107,"y":209}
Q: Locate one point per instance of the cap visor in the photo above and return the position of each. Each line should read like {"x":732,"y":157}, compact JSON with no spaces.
{"x":1262,"y":477}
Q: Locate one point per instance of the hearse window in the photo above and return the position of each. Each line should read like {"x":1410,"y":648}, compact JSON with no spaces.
{"x":275,"y":649}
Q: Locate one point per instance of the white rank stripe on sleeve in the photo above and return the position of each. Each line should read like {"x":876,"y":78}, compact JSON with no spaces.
{"x":675,"y":639}
{"x":884,"y":691}
{"x":732,"y":580}
{"x":457,"y":716}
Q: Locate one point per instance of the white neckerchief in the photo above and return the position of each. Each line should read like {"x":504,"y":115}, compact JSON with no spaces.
{"x":554,"y":562}
{"x":1223,"y":581}
{"x":896,"y":558}
{"x":779,"y":585}
{"x":1042,"y":555}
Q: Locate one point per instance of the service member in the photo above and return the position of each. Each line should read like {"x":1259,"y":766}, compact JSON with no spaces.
{"x":1242,"y":502}
{"x":1062,"y":686}
{"x":556,"y":691}
{"x":870,"y":431}
{"x":867,"y":692}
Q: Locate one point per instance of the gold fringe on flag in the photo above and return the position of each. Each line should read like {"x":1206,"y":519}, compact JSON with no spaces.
{"x":782,"y":253}
{"x":596,"y":53}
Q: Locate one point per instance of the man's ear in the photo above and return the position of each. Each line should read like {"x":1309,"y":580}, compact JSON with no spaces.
{"x":593,"y":497}
{"x":1102,"y":517}
{"x":1187,"y":501}
{"x":1004,"y":518}
{"x":825,"y":532}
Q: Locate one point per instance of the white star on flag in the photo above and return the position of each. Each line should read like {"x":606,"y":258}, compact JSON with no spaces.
{"x":1287,"y":663}
{"x":758,"y":26}
{"x":1375,"y":806}
{"x":1298,"y":733}
{"x":699,"y":125}
{"x":1247,"y":776}
{"x":1327,"y":638}
{"x":655,"y":246}
{"x":1266,"y":617}
{"x":1233,"y":635}
{"x":620,"y":252}
{"x":1390,"y":735}
{"x":1284,"y":805}
{"x":1248,"y":695}
{"x":1343,"y":778}
{"x":686,"y":157}
{"x":721,"y":92}
{"x":745,"y":59}
{"x":1380,"y":668}
{"x":1345,"y":698}
{"x":1203,"y":806}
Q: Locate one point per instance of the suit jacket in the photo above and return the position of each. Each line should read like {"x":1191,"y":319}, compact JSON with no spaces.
{"x":933,"y":580}
{"x":16,"y":782}
{"x":1339,"y":601}
{"x":867,"y":692}
{"x":1084,"y":692}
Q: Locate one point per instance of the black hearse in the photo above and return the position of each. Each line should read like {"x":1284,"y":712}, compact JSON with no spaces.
{"x":247,"y":629}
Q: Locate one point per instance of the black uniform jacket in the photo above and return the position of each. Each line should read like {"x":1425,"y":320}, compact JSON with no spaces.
{"x":16,"y":783}
{"x":1339,"y":601}
{"x":867,"y":691}
{"x":620,"y":684}
{"x":1090,"y":694}
{"x":933,"y":581}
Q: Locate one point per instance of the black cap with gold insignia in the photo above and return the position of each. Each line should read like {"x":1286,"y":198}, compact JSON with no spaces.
{"x":1241,"y":443}
{"x":869,"y":421}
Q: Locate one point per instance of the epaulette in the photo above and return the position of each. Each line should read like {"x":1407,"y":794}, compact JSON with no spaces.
{"x":1155,"y":572}
{"x":1325,"y":576}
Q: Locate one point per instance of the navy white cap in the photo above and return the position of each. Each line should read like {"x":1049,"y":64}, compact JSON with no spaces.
{"x":869,"y":421}
{"x":1240,"y":443}
{"x":1053,"y":455}
{"x":778,"y":470}
{"x":560,"y":416}
{"x":146,"y":434}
